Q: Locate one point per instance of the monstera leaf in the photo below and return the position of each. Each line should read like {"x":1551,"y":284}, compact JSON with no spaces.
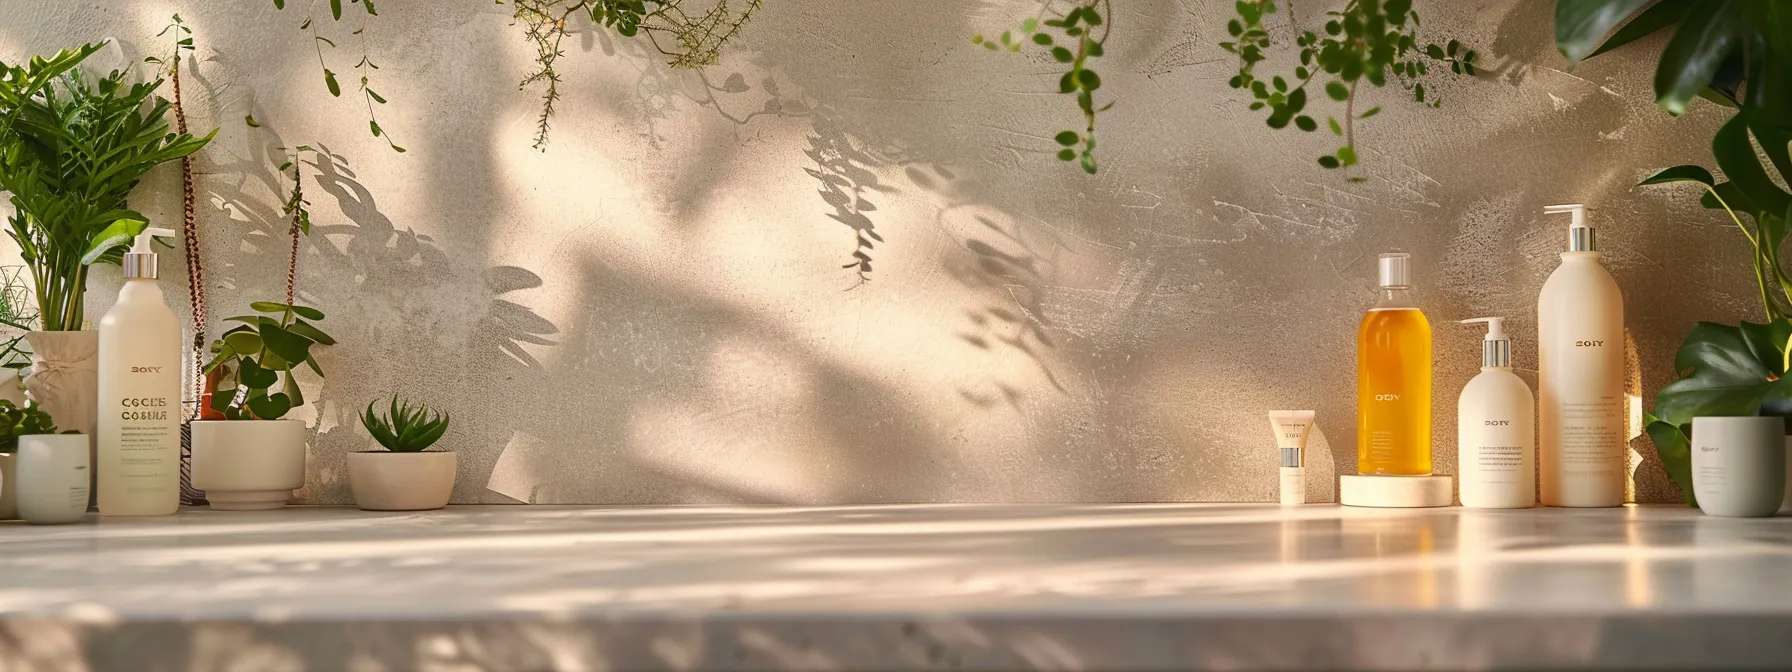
{"x":1725,"y":371}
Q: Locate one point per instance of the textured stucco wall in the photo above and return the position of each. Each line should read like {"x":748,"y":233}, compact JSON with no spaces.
{"x":654,"y":309}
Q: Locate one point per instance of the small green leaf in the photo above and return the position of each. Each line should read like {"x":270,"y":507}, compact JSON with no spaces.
{"x":1370,"y":112}
{"x":308,"y":312}
{"x":285,"y":344}
{"x":311,"y":331}
{"x":1067,"y":154}
{"x":1089,"y":80}
{"x":977,"y":38}
{"x":336,"y":9}
{"x":279,"y":4}
{"x":1347,"y":156}
{"x":1062,"y":55}
{"x":246,"y":342}
{"x":375,"y":95}
{"x":1434,"y":51}
{"x":1333,"y":122}
{"x":330,"y":82}
{"x":1042,"y":38}
{"x":250,"y":120}
{"x":1336,"y":90}
{"x":375,"y":126}
{"x":1681,"y":174}
{"x":1305,"y":123}
{"x":268,"y":307}
{"x":1328,"y":161}
{"x":306,"y":24}
{"x":1067,"y":138}
{"x":1030,"y":25}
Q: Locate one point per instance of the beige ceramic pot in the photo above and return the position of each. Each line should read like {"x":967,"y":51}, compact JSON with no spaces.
{"x":386,"y":481}
{"x":248,"y":465}
{"x":9,"y":486}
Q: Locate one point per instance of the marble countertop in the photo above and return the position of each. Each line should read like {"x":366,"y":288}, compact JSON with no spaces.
{"x":983,"y":587}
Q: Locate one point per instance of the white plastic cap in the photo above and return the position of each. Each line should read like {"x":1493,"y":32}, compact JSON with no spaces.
{"x":1496,"y":349}
{"x":141,"y":245}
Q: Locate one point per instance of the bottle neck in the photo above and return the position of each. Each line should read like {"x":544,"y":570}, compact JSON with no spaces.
{"x":1395,"y":298}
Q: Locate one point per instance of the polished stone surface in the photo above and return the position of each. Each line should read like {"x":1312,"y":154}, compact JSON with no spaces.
{"x":986,"y":587}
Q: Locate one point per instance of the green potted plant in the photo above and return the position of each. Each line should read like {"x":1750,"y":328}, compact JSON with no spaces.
{"x":255,"y":457}
{"x":1738,"y":55}
{"x":403,"y":475}
{"x":14,"y":423}
{"x":72,"y":148}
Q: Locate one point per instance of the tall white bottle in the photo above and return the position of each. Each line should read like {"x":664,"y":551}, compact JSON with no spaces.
{"x":140,"y":377}
{"x":1580,"y":375}
{"x":1496,"y":429}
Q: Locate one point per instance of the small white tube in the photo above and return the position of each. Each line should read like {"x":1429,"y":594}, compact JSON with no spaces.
{"x":1291,"y":429}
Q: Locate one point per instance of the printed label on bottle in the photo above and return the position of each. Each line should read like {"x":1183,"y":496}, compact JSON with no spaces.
{"x":1588,"y":431}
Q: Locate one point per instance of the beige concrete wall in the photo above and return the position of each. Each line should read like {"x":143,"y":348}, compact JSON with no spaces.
{"x":654,"y":309}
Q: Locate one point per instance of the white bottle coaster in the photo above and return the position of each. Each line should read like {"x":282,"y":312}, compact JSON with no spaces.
{"x":1395,"y":492}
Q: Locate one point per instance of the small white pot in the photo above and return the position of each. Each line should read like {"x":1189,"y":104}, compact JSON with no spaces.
{"x":53,"y":476}
{"x":248,"y":465}
{"x":9,"y":486}
{"x":386,"y":481}
{"x":1739,"y":465}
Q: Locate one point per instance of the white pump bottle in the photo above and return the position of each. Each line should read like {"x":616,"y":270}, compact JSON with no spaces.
{"x":1580,"y":375}
{"x":140,"y":378}
{"x":1495,"y":422}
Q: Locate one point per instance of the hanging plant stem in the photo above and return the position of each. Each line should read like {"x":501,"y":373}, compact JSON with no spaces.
{"x":1074,"y":26}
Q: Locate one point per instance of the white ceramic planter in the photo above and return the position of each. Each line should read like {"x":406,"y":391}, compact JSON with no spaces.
{"x":53,"y":476}
{"x":386,"y":481}
{"x":1739,"y":465}
{"x":248,"y":465}
{"x":1786,"y":504}
{"x":9,"y":486}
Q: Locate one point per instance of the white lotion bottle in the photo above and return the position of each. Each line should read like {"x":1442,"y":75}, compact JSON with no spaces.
{"x":1495,"y":429}
{"x":1580,"y":376}
{"x":140,"y":386}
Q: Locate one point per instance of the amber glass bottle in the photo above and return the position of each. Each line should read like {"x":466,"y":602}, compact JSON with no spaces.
{"x":1393,"y":379}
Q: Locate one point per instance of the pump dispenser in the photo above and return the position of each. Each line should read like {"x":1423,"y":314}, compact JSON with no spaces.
{"x":1393,"y":376}
{"x":1495,"y":420}
{"x":138,"y":465}
{"x":1580,"y":375}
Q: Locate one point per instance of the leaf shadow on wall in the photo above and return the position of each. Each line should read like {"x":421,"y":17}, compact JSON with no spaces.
{"x":843,"y":168}
{"x":669,"y":403}
{"x":391,"y":295}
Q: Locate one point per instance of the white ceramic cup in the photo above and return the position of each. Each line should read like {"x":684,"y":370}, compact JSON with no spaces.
{"x":53,"y":478}
{"x":1739,"y":465}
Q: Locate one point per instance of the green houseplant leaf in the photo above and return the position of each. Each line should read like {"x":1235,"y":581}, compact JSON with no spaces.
{"x":404,"y":428}
{"x":263,"y":353}
{"x":1581,"y":25}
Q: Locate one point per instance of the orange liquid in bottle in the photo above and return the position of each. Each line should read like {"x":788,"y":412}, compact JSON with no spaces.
{"x":1393,"y":383}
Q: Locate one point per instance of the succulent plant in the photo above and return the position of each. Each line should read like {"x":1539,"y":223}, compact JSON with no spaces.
{"x":16,"y":422}
{"x":262,"y":354}
{"x":405,"y":428}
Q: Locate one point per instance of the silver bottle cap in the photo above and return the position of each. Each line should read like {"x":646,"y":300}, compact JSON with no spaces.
{"x":1496,"y":353}
{"x":139,"y":265}
{"x":1496,"y":349}
{"x":1580,"y":236}
{"x":1396,"y":269}
{"x":1582,"y":239}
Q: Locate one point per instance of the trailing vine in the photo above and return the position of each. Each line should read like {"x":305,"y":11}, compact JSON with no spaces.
{"x":183,"y":43}
{"x":1074,"y":45}
{"x":1374,"y":41}
{"x":686,"y":39}
{"x":365,"y":66}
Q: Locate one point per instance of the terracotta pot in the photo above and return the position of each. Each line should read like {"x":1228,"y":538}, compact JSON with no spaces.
{"x":248,"y":465}
{"x":386,"y":481}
